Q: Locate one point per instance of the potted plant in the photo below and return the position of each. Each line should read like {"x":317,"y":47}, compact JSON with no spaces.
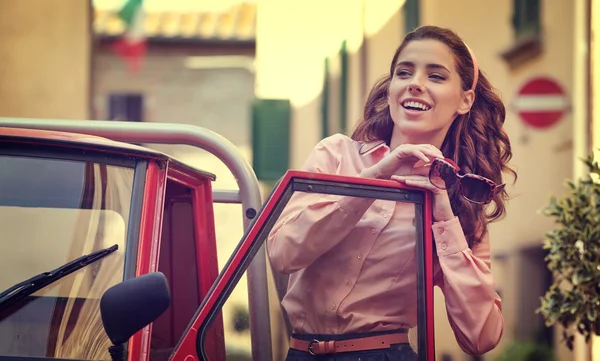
{"x":573,"y":300}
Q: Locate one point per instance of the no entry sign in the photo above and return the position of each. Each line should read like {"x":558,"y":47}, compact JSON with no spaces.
{"x":541,"y":102}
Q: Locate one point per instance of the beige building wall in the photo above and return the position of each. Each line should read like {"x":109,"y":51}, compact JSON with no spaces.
{"x":594,"y":109}
{"x":384,"y":30}
{"x":595,"y":72}
{"x":46,"y":59}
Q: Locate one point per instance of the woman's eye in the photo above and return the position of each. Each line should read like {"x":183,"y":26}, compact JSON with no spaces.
{"x":437,"y":77}
{"x":403,"y":73}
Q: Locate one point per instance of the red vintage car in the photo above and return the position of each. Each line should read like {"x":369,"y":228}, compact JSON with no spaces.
{"x":110,"y":251}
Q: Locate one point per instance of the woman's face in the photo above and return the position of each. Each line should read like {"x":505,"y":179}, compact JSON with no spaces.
{"x":425,"y":93}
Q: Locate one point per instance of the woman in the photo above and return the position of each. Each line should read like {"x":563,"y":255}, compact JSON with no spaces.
{"x":350,"y":259}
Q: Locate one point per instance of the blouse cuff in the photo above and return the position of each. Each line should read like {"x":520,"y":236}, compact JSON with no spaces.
{"x":449,"y":237}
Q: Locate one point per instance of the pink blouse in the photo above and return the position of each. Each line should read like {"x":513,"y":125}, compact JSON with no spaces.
{"x":352,"y":261}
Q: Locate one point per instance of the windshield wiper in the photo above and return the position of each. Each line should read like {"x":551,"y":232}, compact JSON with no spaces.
{"x":35,"y":283}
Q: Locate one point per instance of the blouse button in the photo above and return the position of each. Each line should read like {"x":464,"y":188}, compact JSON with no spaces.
{"x":444,"y":246}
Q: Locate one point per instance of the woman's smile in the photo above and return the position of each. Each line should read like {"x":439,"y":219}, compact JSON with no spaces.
{"x":415,"y":108}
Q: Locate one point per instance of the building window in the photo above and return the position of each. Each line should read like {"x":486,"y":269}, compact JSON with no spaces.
{"x":126,"y":107}
{"x":526,"y":18}
{"x":527,"y":30}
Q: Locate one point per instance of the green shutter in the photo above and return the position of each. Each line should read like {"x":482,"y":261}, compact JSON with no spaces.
{"x":337,"y":123}
{"x":270,"y":138}
{"x":411,"y":15}
{"x":517,"y":11}
{"x":325,"y":103}
{"x":526,"y":17}
{"x":532,"y":11}
{"x":343,"y":87}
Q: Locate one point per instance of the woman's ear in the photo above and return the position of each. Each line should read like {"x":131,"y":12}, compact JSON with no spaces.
{"x":467,"y":102}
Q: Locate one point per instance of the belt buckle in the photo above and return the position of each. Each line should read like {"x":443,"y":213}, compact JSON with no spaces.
{"x":310,"y":346}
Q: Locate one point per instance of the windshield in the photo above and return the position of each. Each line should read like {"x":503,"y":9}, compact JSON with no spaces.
{"x":51,"y":212}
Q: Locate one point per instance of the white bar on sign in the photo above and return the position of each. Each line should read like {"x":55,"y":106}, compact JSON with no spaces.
{"x":541,"y":103}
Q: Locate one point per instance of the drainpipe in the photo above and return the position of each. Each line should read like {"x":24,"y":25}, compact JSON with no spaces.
{"x":583,"y":125}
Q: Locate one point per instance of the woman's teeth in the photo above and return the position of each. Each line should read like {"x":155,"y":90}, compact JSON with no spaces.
{"x":415,"y":105}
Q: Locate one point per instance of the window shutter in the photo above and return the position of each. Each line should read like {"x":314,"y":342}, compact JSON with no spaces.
{"x":325,"y":102}
{"x":526,"y":17}
{"x":270,"y":138}
{"x":411,"y":15}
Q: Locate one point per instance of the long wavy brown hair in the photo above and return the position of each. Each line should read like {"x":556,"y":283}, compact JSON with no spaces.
{"x":476,"y":140}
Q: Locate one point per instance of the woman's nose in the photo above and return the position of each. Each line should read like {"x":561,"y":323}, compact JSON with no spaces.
{"x":416,"y":84}
{"x":415,"y":87}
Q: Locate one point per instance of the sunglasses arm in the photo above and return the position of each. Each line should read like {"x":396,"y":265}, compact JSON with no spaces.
{"x":499,"y":188}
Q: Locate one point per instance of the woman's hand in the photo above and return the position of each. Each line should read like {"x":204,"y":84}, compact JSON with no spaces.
{"x":442,"y":210}
{"x":401,"y":160}
{"x":399,"y":165}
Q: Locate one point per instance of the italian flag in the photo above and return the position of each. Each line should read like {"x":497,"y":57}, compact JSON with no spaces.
{"x":132,"y":45}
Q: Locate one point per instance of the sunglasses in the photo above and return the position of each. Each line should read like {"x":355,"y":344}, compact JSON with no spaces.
{"x":444,"y":173}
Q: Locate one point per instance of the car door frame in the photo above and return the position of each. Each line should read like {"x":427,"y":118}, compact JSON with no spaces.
{"x":193,"y":339}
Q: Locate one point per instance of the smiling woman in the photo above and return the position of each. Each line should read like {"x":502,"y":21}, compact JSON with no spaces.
{"x":434,"y":104}
{"x":464,"y":121}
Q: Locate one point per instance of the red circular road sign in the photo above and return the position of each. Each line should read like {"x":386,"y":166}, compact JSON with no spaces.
{"x":541,"y":102}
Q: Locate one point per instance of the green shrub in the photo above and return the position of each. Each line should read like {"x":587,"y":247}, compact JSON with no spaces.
{"x":573,"y":300}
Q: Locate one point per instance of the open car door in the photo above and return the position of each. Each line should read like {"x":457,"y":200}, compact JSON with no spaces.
{"x":414,"y":272}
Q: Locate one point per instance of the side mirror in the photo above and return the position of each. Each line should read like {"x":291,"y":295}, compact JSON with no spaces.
{"x":131,"y":305}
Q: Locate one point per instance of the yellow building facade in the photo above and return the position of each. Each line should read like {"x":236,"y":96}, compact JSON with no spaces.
{"x":46,"y":52}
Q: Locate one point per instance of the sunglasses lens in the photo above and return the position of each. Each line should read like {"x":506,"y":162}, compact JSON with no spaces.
{"x":475,"y":190}
{"x":442,"y":175}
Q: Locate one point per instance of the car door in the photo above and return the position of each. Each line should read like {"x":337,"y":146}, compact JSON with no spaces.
{"x":414,"y":274}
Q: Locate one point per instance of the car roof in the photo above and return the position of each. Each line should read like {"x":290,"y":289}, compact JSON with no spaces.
{"x":86,"y":141}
